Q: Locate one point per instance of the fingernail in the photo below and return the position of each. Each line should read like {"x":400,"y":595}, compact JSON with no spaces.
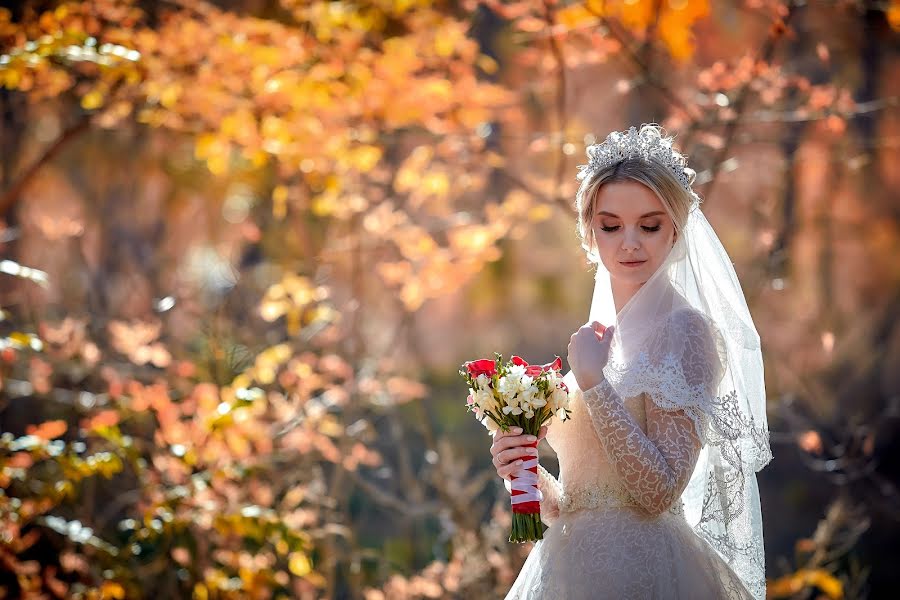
{"x":530,"y":438}
{"x":517,"y":430}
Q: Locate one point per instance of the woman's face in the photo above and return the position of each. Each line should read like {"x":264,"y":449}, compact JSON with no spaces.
{"x":634,"y":233}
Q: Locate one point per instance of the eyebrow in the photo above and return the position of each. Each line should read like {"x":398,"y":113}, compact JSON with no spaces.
{"x":649,"y":214}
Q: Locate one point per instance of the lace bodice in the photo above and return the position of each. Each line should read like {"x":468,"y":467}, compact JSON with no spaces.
{"x":639,"y":461}
{"x":637,"y":451}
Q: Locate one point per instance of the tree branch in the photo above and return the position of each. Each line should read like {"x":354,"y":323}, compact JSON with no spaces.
{"x":11,"y":196}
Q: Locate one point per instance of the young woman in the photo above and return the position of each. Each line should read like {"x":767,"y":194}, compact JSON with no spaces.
{"x":657,"y":493}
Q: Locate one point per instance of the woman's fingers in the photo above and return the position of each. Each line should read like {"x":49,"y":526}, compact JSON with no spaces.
{"x":510,"y":451}
{"x":506,"y":456}
{"x":513,"y":464}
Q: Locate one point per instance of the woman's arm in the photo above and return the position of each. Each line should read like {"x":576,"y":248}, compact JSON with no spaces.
{"x":551,"y":490}
{"x":654,"y":467}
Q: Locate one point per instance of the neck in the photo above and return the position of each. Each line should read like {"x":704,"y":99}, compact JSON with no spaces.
{"x":622,"y":292}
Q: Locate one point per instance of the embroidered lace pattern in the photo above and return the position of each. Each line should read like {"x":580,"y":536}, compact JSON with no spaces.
{"x":682,"y":387}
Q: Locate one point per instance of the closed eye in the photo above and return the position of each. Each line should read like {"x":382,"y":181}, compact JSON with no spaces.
{"x":644,"y":227}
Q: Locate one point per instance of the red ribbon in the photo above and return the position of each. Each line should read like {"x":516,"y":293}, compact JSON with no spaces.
{"x":526,"y":507}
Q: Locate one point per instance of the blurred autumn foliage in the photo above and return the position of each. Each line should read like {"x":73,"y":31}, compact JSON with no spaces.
{"x":246,"y":244}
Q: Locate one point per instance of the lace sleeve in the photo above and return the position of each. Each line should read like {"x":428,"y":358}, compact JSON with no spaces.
{"x":655,"y":467}
{"x":550,"y":490}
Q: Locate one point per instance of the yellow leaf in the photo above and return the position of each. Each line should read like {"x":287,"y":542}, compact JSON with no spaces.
{"x":331,"y":427}
{"x":200,"y":592}
{"x":205,"y":145}
{"x":598,"y":7}
{"x":170,"y":95}
{"x":217,"y":164}
{"x":826,"y":582}
{"x":439,"y":89}
{"x":92,"y":100}
{"x":322,"y":206}
{"x":445,"y":44}
{"x":299,"y":564}
{"x":21,"y":339}
{"x":575,"y":16}
{"x":487,"y":64}
{"x":406,"y":180}
{"x":366,"y":157}
{"x":279,"y":201}
{"x":11,"y":78}
{"x":893,"y":15}
{"x":791,"y":584}
{"x":111,"y":589}
{"x":436,"y":184}
{"x":539,"y":213}
{"x":470,"y":238}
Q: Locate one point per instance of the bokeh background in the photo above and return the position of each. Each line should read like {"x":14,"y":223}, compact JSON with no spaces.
{"x":245,"y":246}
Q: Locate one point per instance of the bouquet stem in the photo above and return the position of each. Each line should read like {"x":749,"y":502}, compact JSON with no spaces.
{"x":526,"y":520}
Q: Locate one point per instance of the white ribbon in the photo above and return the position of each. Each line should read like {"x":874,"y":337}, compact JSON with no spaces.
{"x":526,"y":481}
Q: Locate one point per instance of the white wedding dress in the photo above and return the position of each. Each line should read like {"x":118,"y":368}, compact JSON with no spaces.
{"x":617,"y":528}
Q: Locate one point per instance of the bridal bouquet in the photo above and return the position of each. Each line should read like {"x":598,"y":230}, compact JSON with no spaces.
{"x":516,"y":394}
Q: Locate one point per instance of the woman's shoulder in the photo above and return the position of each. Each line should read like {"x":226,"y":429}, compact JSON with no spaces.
{"x":702,"y":343}
{"x":687,"y":320}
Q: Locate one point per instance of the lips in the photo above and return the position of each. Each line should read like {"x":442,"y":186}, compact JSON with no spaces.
{"x":634,"y":263}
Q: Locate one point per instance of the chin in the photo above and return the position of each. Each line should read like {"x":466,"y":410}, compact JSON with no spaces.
{"x":632,"y":275}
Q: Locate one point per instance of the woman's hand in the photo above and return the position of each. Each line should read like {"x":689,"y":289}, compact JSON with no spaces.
{"x":589,"y":353}
{"x":509,"y":450}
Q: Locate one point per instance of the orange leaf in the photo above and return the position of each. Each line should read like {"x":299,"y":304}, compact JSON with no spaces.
{"x":106,"y":418}
{"x":48,"y":430}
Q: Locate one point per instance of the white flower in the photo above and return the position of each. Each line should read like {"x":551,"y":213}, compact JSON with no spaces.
{"x":483,"y":381}
{"x":552,"y":378}
{"x":485,"y":399}
{"x":508,"y":388}
{"x":538,"y":400}
{"x":490,"y":424}
{"x":516,"y":372}
{"x":528,"y":396}
{"x":560,"y":398}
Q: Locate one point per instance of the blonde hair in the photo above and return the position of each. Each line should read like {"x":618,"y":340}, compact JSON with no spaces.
{"x":675,"y":199}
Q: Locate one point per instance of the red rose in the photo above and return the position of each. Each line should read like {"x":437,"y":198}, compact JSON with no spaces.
{"x":535,"y":370}
{"x":556,"y":365}
{"x":481,"y":367}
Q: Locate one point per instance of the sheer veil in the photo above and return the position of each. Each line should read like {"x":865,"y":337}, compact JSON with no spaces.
{"x":687,"y":340}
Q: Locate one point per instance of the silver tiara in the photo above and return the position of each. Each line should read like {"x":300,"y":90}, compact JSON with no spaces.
{"x":648,"y":143}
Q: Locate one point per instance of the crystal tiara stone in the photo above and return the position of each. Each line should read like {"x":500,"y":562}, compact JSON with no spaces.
{"x":647,"y":143}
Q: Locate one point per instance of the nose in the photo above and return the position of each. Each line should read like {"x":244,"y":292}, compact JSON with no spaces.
{"x":630,"y":241}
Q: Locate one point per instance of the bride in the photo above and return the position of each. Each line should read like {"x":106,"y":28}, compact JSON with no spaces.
{"x":657,"y":495}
